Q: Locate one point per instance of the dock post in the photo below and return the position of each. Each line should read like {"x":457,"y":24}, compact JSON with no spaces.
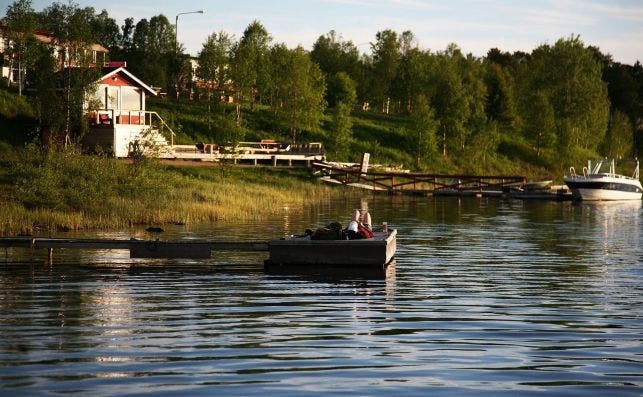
{"x":255,"y":161}
{"x":274,"y":161}
{"x":50,"y":257}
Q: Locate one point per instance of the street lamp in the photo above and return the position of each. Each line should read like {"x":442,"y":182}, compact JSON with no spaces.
{"x":176,"y":26}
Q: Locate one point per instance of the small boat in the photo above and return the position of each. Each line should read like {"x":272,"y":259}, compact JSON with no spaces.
{"x":597,"y":183}
{"x":537,"y":185}
{"x":301,"y":251}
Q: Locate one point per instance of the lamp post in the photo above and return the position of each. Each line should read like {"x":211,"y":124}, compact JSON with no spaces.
{"x":176,"y":26}
{"x":176,"y":40}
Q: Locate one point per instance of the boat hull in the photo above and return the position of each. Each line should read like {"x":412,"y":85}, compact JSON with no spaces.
{"x":604,"y":189}
{"x":375,"y":252}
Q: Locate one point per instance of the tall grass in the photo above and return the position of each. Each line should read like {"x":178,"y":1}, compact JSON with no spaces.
{"x":69,"y":191}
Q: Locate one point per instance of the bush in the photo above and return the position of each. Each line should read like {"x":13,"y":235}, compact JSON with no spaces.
{"x":17,"y":119}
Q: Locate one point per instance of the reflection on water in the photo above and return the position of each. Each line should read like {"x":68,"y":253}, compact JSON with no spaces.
{"x":485,"y":297}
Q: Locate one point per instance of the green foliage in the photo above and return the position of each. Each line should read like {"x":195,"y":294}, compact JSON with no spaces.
{"x":413,"y":75}
{"x":17,"y":119}
{"x":12,"y":106}
{"x":249,"y":62}
{"x":19,"y":25}
{"x":501,"y":103}
{"x":618,"y":142}
{"x":152,"y":55}
{"x":569,"y":76}
{"x":67,"y":181}
{"x":60,"y":93}
{"x":422,"y":131}
{"x":298,"y":91}
{"x":193,"y":123}
{"x":214,"y":60}
{"x":538,"y":110}
{"x":386,"y":58}
{"x":340,"y":132}
{"x":484,"y":147}
{"x":340,"y":88}
{"x":540,"y":121}
{"x":65,"y":190}
{"x":334,"y":55}
{"x":106,"y":32}
{"x":450,"y":101}
{"x":476,"y":93}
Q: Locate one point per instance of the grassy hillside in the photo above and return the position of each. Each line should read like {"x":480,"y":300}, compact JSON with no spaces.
{"x":379,"y":134}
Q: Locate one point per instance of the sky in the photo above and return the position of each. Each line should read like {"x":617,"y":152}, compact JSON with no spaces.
{"x":616,"y":27}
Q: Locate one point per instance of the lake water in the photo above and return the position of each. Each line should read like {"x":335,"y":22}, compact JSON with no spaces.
{"x":487,"y":297}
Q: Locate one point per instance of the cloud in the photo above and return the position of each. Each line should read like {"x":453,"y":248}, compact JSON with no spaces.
{"x":548,"y":18}
{"x":613,"y":10}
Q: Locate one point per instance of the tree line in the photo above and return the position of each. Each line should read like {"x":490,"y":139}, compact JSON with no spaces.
{"x":566,"y":100}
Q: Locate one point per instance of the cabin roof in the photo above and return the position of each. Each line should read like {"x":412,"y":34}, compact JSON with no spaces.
{"x":109,"y":72}
{"x":48,"y":38}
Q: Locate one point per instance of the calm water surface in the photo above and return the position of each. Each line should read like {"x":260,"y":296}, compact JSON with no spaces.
{"x":487,"y":297}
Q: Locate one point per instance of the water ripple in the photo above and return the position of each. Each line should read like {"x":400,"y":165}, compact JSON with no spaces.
{"x":487,"y":297}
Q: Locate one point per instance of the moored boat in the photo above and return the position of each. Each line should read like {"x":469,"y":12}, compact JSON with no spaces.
{"x":601,"y":182}
{"x":299,"y":251}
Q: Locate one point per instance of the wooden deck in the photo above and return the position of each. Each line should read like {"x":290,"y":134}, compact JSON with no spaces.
{"x":255,"y":153}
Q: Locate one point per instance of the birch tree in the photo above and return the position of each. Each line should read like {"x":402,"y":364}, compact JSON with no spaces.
{"x":214,"y":62}
{"x":20,"y":23}
{"x":298,"y":90}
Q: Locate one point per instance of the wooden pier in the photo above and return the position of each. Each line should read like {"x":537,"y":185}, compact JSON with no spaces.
{"x":418,"y":183}
{"x":185,"y":249}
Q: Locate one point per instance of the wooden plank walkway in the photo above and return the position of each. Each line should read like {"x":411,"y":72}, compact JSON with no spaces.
{"x":186,"y":249}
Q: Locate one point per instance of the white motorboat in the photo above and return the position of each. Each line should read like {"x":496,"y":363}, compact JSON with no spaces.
{"x":601,"y":182}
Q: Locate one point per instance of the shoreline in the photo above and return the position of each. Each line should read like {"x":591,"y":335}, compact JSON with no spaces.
{"x":61,"y":192}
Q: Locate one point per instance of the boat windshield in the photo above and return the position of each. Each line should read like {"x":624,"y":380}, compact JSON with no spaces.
{"x":611,"y":167}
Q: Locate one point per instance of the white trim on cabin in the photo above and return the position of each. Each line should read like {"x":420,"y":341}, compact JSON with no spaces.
{"x":130,"y":75}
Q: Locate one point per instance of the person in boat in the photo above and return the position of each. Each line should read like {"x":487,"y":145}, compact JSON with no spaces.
{"x":357,"y":229}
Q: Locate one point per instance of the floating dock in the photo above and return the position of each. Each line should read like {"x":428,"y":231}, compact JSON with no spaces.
{"x":138,"y":248}
{"x":295,"y":252}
